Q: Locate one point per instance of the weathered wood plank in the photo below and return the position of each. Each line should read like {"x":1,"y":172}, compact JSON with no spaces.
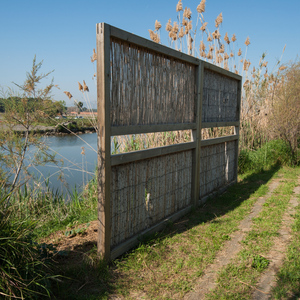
{"x":124,"y":158}
{"x":219,"y":124}
{"x":136,"y":129}
{"x":196,"y":135}
{"x":104,"y":167}
{"x":210,"y":66}
{"x":237,"y":128}
{"x":218,"y":140}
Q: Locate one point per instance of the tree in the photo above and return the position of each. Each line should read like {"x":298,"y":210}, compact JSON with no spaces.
{"x":22,"y":111}
{"x":79,"y":105}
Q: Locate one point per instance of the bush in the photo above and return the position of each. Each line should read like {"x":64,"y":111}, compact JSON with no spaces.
{"x":271,"y":153}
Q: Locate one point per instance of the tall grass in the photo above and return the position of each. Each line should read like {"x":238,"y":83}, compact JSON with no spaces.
{"x":24,"y":272}
{"x":50,"y":211}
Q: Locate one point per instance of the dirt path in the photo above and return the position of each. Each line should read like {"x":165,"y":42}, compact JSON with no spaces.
{"x":208,"y":281}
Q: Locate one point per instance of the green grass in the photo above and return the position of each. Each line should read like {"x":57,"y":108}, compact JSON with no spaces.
{"x":238,"y":278}
{"x":167,"y":265}
{"x":288,"y":278}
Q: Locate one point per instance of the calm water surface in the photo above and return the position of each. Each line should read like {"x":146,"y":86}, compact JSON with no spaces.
{"x":79,"y":160}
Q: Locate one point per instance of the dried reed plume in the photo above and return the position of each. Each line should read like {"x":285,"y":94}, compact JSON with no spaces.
{"x":216,"y":35}
{"x":80,"y":86}
{"x":240,"y":52}
{"x":154,"y":36}
{"x":202,"y":46}
{"x":201,"y":7}
{"x":209,"y":38}
{"x":233,"y":39}
{"x":203,"y":27}
{"x":94,"y":57}
{"x":187,"y":13}
{"x":157,"y":25}
{"x":169,"y":26}
{"x":175,"y":28}
{"x":247,"y":64}
{"x":85,"y":87}
{"x":247,"y":42}
{"x":219,"y":20}
{"x":282,"y":68}
{"x":179,"y":6}
{"x":69,"y":95}
{"x":221,"y":49}
{"x":181,"y":33}
{"x":226,"y":38}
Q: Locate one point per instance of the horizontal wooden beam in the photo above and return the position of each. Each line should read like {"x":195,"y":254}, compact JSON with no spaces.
{"x":219,"y":124}
{"x":123,"y":158}
{"x":130,"y":243}
{"x":214,"y":68}
{"x":219,"y":140}
{"x":136,"y":129}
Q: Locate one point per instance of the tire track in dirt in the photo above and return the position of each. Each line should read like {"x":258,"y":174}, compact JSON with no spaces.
{"x":230,"y":249}
{"x":277,"y":255}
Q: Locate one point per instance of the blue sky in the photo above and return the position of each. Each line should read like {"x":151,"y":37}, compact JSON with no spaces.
{"x":62,"y":33}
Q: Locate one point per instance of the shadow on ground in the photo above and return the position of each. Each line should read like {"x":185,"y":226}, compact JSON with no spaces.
{"x":86,"y":277}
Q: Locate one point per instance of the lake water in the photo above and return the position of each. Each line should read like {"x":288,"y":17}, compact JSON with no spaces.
{"x":79,"y":156}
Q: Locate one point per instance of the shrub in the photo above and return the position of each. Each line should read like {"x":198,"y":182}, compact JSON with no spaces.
{"x":271,"y":153}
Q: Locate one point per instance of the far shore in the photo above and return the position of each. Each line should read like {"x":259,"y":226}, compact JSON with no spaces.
{"x":50,"y":130}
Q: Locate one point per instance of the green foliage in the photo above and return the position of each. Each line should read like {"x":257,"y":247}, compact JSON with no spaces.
{"x":271,"y":153}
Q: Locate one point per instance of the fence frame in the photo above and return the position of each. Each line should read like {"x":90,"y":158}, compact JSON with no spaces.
{"x":104,"y":33}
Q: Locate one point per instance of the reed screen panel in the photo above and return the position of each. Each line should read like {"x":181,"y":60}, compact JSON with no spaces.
{"x":217,"y":167}
{"x":149,"y":88}
{"x":220,"y":98}
{"x":147,"y":191}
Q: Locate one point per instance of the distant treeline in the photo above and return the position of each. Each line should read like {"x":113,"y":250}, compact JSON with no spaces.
{"x":51,"y":107}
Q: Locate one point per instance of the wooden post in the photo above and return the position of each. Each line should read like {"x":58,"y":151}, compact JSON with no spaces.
{"x":237,"y":128}
{"x":104,"y":165}
{"x":196,"y":135}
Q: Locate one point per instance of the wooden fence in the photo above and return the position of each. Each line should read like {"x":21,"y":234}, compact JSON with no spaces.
{"x":145,"y":87}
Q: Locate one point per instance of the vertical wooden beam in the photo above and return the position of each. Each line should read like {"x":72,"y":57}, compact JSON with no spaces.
{"x":196,"y":135}
{"x":104,"y":165}
{"x":237,"y":128}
